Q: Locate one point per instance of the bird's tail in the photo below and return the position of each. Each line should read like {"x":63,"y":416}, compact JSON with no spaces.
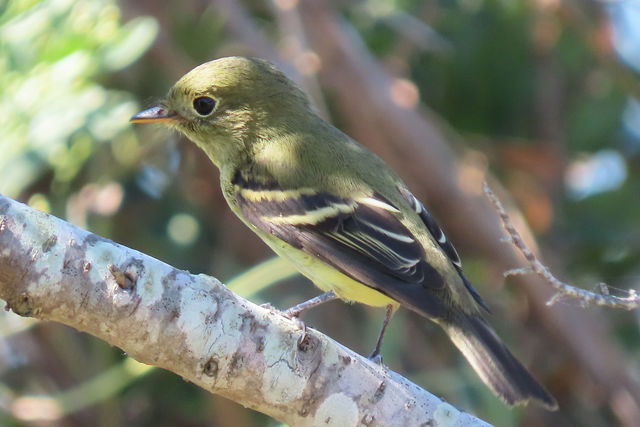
{"x":495,"y":364}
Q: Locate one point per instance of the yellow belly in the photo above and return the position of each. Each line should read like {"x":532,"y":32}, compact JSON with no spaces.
{"x":329,"y":279}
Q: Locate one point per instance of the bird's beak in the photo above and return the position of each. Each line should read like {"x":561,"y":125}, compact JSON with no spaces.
{"x":157,"y":114}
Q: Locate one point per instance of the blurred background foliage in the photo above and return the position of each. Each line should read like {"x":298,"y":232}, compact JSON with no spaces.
{"x":543,"y":94}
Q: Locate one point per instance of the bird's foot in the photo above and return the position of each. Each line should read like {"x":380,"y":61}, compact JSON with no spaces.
{"x":376,"y":358}
{"x":304,"y":335}
{"x":293,"y":316}
{"x":268,"y":306}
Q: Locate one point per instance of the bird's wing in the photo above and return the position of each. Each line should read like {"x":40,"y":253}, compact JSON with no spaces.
{"x":442,"y":240}
{"x":361,"y":236}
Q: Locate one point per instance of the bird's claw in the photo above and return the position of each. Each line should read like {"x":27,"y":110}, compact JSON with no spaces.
{"x":301,"y":326}
{"x":376,"y":358}
{"x":268,"y":306}
{"x":291,"y":314}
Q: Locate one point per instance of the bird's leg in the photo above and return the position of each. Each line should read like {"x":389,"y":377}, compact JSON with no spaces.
{"x":313,"y":302}
{"x":295,"y":311}
{"x":375,"y":356}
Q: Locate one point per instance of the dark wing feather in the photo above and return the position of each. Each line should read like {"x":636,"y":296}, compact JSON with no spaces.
{"x":442,"y":240}
{"x":360,"y":237}
{"x":433,"y":227}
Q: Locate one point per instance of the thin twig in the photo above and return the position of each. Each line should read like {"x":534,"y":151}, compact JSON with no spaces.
{"x":629,"y":302}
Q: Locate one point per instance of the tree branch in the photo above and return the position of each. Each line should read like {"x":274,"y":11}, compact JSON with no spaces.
{"x":630,"y":302}
{"x":194,"y":326}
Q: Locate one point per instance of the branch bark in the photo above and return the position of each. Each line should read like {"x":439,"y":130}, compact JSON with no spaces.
{"x":194,"y":326}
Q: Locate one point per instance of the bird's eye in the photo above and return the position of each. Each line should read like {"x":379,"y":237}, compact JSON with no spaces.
{"x":204,"y":105}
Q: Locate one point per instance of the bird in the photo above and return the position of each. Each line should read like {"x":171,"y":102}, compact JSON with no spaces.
{"x":334,"y":209}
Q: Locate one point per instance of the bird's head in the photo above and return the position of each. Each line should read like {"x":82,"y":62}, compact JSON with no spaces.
{"x":229,"y":103}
